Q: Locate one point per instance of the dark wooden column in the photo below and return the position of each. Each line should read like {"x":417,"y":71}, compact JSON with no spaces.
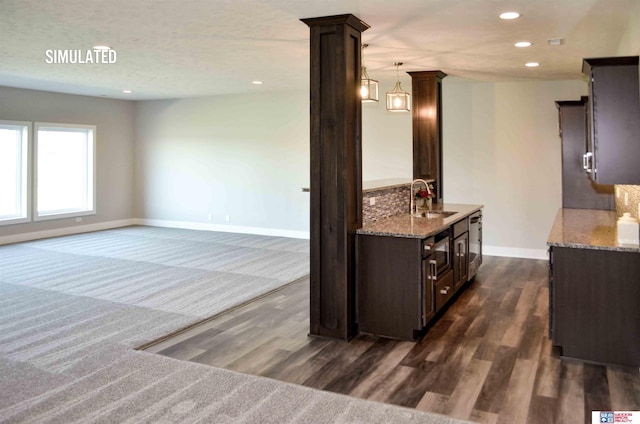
{"x":336,"y":172}
{"x":426,"y":90}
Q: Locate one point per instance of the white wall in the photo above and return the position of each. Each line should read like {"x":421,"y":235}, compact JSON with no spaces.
{"x":245,"y":156}
{"x":630,"y":41}
{"x":248,"y":156}
{"x":501,"y":149}
{"x":387,"y":146}
{"x":114,"y":152}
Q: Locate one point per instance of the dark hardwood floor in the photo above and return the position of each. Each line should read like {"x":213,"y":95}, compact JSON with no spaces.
{"x":487,"y":359}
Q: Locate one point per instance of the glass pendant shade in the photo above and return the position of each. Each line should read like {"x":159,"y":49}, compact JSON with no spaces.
{"x":398,"y":100}
{"x":368,"y":87}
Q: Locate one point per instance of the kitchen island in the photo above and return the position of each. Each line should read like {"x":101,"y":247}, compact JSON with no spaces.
{"x":410,"y":267}
{"x":594,"y":289}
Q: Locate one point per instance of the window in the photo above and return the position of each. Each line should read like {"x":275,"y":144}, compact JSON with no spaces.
{"x":64,"y":170}
{"x":14,"y":172}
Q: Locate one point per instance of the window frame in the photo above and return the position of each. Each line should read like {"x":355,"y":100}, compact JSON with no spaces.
{"x":26,"y":172}
{"x":37,"y":126}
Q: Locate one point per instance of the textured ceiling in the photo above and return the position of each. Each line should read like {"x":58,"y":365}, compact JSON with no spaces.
{"x":186,"y":48}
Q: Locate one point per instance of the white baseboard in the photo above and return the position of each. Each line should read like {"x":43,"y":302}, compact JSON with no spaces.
{"x":510,"y":252}
{"x":87,"y":228}
{"x":514,"y":252}
{"x":222,"y":228}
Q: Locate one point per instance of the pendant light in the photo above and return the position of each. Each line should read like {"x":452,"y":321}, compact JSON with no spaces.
{"x":368,"y":86}
{"x":398,"y":100}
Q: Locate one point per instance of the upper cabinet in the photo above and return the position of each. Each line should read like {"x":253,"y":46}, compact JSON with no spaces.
{"x":613,"y":152}
{"x":578,"y":191}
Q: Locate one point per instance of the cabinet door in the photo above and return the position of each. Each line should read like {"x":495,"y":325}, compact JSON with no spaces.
{"x":578,"y":191}
{"x":460,"y":260}
{"x":443,"y":289}
{"x":615,"y":119}
{"x":389,"y":285}
{"x":428,"y":300}
{"x":595,"y":314}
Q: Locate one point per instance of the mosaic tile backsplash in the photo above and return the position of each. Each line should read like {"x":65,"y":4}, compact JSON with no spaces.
{"x":389,"y":201}
{"x":633,"y":195}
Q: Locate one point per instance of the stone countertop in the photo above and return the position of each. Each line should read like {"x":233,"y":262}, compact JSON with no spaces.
{"x":587,"y":229}
{"x":406,"y":225}
{"x":373,"y":185}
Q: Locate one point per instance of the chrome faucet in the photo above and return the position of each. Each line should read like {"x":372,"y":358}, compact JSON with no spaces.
{"x":413,"y":199}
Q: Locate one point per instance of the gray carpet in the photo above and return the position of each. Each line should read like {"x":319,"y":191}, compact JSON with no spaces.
{"x":73,"y":308}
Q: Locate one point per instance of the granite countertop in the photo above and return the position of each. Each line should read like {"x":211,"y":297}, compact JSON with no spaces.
{"x":587,"y":229}
{"x":406,"y":225}
{"x":373,"y":185}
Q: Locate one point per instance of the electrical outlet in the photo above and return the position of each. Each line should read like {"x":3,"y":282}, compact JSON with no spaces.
{"x":626,"y":198}
{"x":372,"y":201}
{"x":78,"y":219}
{"x":227,"y":218}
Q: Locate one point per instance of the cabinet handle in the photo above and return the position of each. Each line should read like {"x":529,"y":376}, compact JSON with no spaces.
{"x":460,"y":255}
{"x":445,"y":290}
{"x":434,"y":269}
{"x":589,"y":162}
{"x":584,"y":162}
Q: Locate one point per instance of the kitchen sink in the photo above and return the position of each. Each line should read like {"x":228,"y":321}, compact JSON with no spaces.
{"x":435,"y":214}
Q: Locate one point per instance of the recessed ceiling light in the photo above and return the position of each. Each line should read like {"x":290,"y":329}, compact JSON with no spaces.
{"x":509,"y":15}
{"x":102,"y":48}
{"x":531,"y":64}
{"x":523,"y":44}
{"x":127,"y":91}
{"x":256,"y":82}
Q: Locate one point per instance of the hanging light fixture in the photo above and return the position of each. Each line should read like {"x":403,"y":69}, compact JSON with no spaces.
{"x":398,"y":100}
{"x":368,"y":86}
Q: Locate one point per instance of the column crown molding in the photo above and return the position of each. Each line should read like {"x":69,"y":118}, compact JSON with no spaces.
{"x":427,"y":74}
{"x":347,"y":19}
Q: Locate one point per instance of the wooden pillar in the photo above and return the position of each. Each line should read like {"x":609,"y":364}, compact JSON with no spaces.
{"x":336,"y":172}
{"x":426,"y":90}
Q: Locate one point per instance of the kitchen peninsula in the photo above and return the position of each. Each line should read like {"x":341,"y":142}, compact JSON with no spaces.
{"x":410,"y":266}
{"x":594,"y":287}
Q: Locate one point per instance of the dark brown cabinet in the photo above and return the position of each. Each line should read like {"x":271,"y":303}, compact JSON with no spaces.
{"x":593,"y":304}
{"x":394,"y":289}
{"x":403,"y":282}
{"x":614,"y":120}
{"x":460,"y":253}
{"x":578,"y":190}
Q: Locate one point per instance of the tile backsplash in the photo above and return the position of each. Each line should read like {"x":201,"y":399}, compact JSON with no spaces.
{"x":632,"y":193}
{"x":389,"y":201}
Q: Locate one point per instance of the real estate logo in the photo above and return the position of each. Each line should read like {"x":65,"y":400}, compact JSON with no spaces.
{"x":613,"y":416}
{"x":91,"y":57}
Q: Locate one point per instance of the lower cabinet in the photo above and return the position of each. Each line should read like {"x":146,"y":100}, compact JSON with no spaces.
{"x":394,"y":297}
{"x":403,"y":282}
{"x":593,"y":304}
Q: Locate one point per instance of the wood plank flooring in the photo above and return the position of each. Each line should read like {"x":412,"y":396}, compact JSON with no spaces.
{"x":488,"y":358}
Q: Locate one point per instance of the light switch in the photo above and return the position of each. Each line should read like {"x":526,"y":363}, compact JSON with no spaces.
{"x":372,"y":201}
